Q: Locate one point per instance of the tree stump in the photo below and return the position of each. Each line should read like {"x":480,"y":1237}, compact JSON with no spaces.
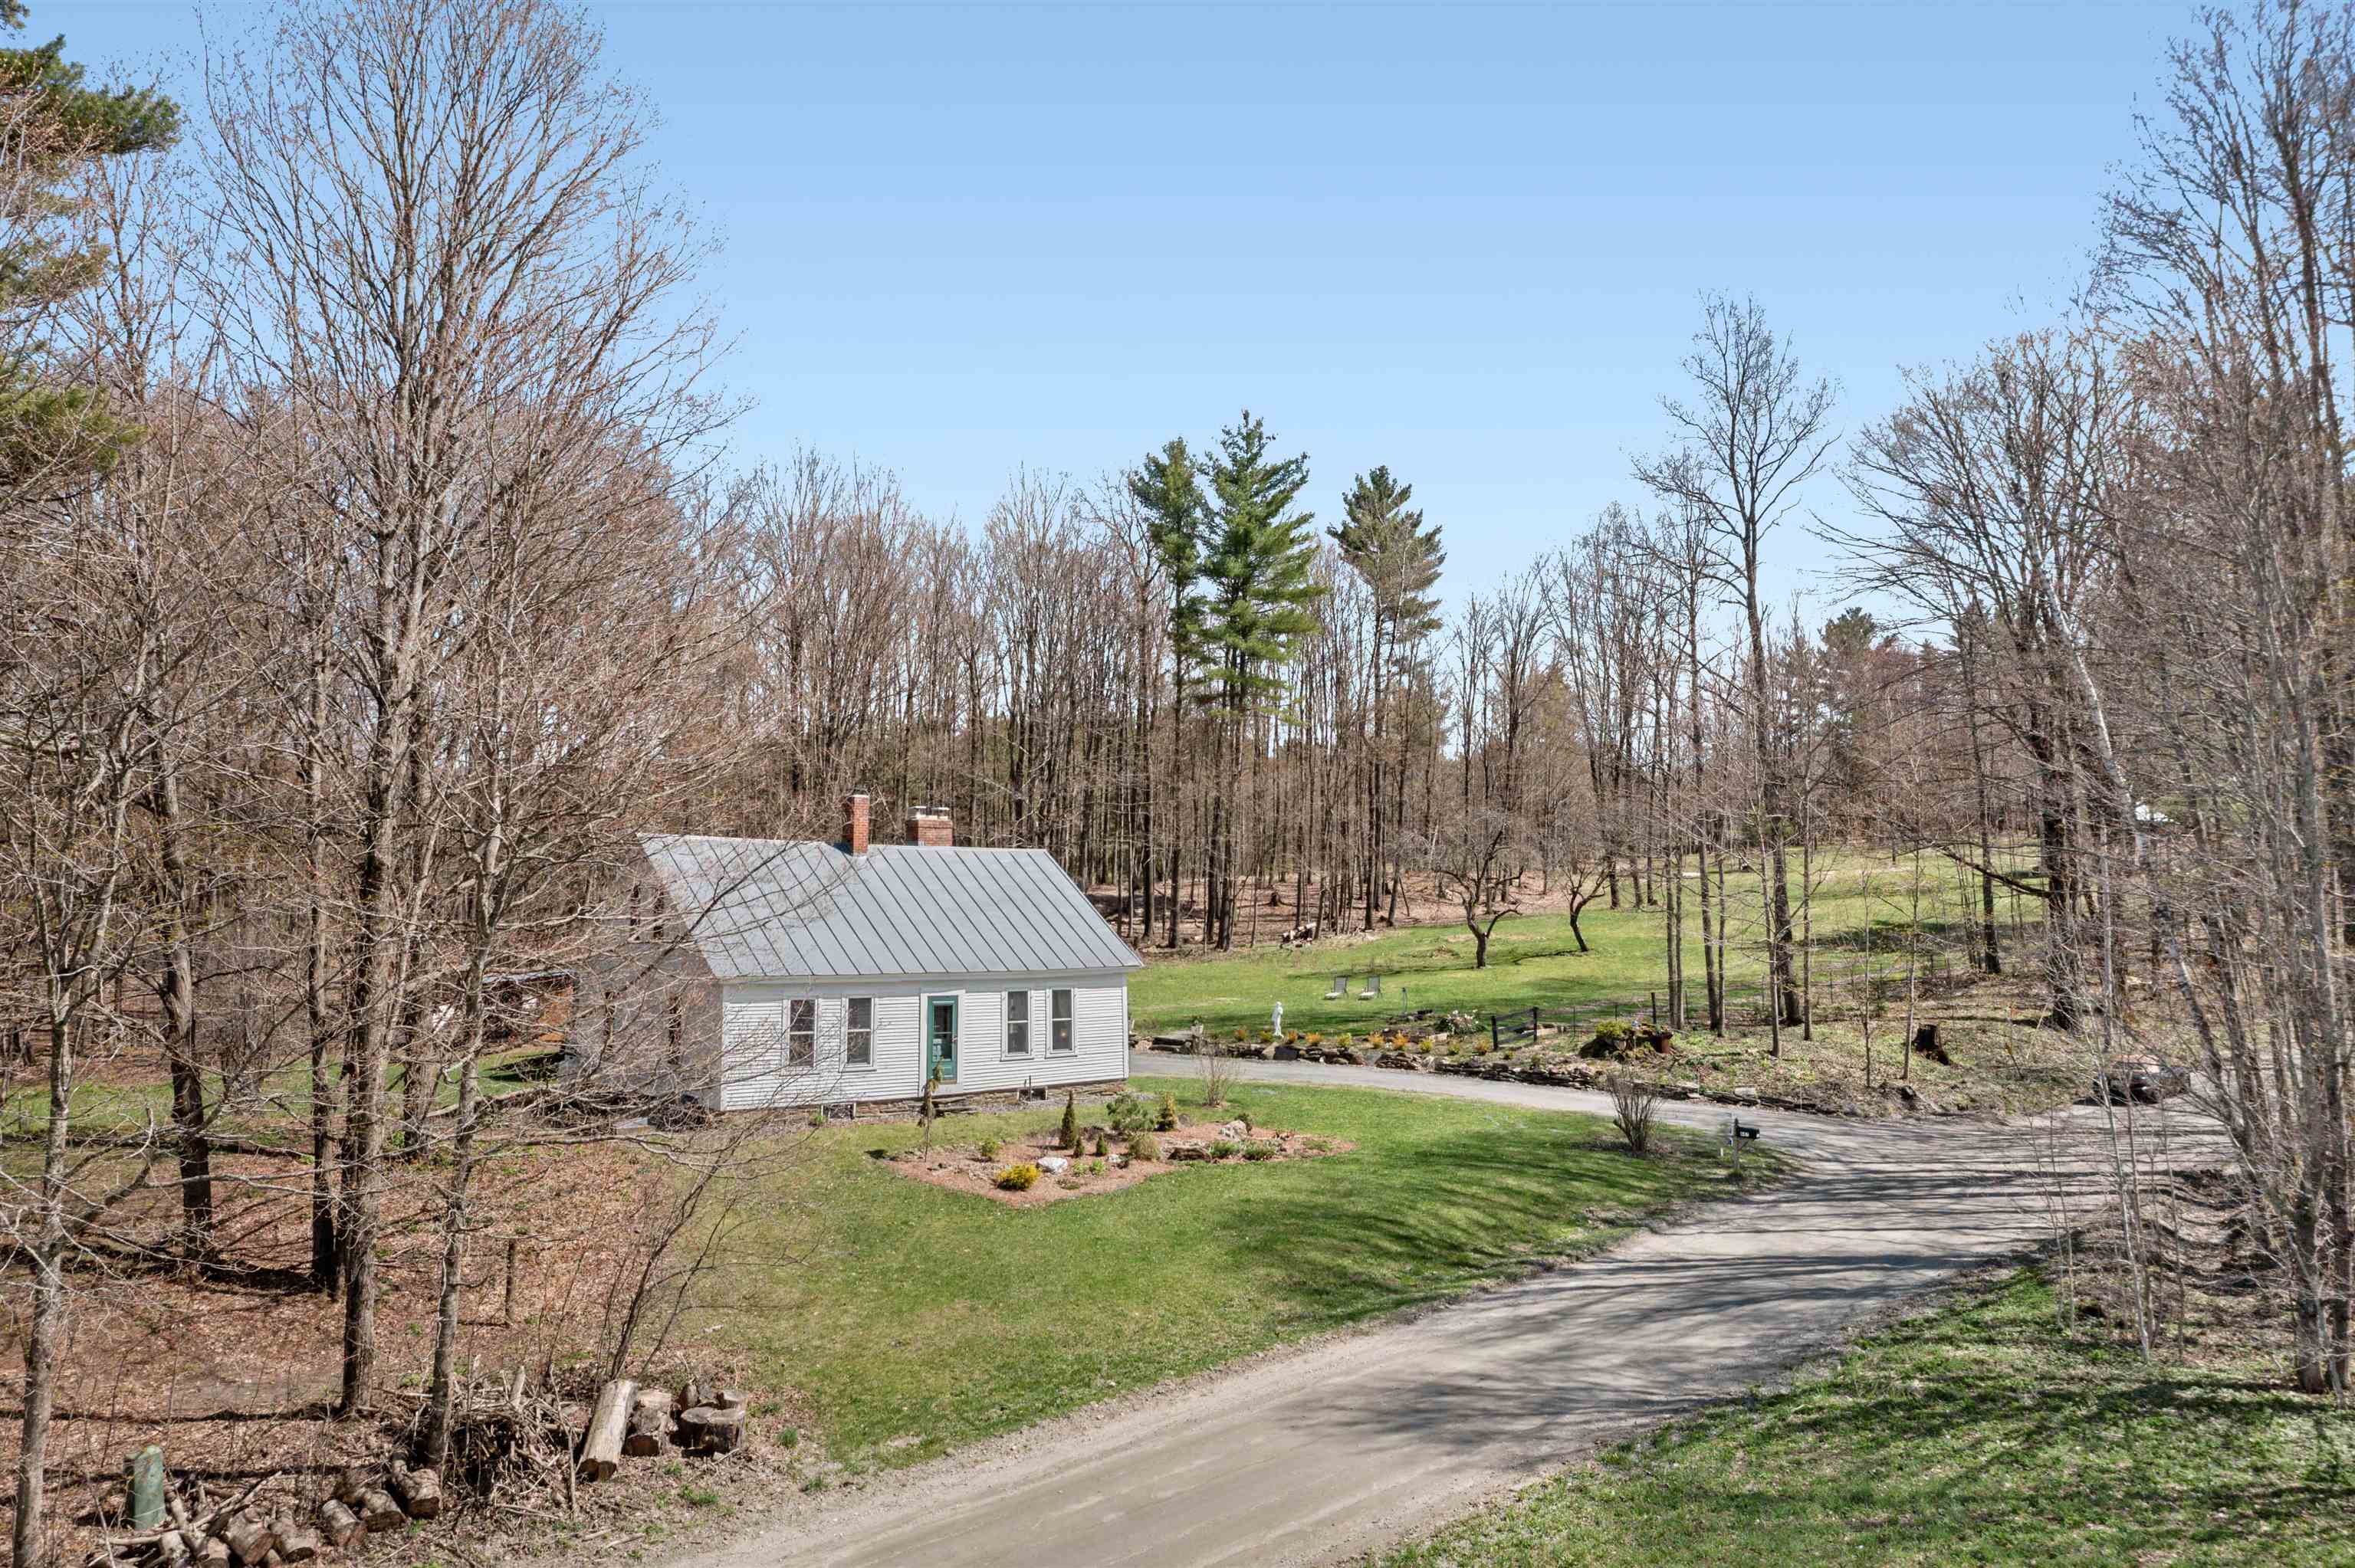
{"x":212,"y":1552}
{"x":1925,"y":1044}
{"x":649,"y":1423}
{"x":601,"y":1446}
{"x":713,"y":1429}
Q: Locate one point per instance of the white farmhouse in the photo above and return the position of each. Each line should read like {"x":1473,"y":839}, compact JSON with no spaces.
{"x":849,"y":973}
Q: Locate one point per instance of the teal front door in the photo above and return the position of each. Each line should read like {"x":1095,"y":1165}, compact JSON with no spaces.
{"x":939,"y":1039}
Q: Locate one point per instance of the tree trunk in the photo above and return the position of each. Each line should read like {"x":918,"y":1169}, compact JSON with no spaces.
{"x":46,"y":1332}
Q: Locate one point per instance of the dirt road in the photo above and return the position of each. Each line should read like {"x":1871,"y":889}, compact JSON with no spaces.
{"x":1318,"y":1455}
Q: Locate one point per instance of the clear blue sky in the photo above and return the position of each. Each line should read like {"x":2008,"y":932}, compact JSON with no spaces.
{"x":1466,"y":240}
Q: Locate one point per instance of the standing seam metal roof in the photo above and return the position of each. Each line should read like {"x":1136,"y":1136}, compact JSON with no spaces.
{"x":776,"y":909}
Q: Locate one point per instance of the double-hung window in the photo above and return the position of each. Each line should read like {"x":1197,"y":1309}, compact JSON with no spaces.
{"x":1017,"y":1023}
{"x":858,"y":1031}
{"x":1059,"y":1023}
{"x":801,"y":1032}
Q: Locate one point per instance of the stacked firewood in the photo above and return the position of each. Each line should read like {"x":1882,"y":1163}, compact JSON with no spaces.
{"x":245,"y":1531}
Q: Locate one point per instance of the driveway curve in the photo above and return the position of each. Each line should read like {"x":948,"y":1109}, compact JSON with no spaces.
{"x":1345,"y":1446}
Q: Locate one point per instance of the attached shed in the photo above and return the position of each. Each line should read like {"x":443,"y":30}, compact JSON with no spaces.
{"x":851,"y":973}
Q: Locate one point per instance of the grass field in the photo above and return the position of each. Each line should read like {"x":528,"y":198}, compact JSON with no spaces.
{"x":1975,"y":1435}
{"x":1535,"y":961}
{"x":909,"y":1319}
{"x":2004,"y":1061}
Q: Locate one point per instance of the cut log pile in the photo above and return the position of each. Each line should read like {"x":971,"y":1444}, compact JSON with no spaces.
{"x":626,"y":1420}
{"x":243,"y":1533}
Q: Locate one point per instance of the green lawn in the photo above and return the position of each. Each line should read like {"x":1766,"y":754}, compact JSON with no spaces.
{"x":2003,"y":1059}
{"x":1976,"y":1435}
{"x":911,"y":1319}
{"x":1534,"y":960}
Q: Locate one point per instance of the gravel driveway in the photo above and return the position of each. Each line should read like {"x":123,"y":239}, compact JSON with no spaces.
{"x":1317,"y":1454}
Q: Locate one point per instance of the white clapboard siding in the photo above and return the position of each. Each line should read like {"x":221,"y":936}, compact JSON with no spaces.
{"x":755,"y":1073}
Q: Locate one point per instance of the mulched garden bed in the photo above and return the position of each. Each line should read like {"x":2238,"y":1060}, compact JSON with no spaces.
{"x":964,"y":1169}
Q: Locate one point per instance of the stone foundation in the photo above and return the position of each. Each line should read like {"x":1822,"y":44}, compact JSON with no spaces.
{"x":949,"y":1100}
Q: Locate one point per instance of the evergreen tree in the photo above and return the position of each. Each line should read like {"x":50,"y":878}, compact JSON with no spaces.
{"x":53,"y":430}
{"x":1385,"y":542}
{"x":1259,"y":572}
{"x":1168,"y":486}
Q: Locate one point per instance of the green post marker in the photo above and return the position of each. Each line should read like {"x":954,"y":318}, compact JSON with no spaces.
{"x":147,"y":1488}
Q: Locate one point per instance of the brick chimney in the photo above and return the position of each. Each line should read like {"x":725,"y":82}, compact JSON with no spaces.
{"x":854,"y":823}
{"x":931,"y":827}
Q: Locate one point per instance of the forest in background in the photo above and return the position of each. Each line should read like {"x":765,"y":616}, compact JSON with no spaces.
{"x":378,"y":567}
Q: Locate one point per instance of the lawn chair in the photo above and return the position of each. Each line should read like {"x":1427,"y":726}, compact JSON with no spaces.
{"x":1373,"y":988}
{"x":1340,"y":987}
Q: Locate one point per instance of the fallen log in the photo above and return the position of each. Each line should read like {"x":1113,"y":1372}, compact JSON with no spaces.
{"x":337,"y":1524}
{"x":250,"y":1539}
{"x":420,"y":1492}
{"x":378,"y":1512}
{"x":601,"y":1444}
{"x":649,"y":1423}
{"x":296,"y":1542}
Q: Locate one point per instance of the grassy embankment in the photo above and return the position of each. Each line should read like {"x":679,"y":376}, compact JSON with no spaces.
{"x":1975,"y":1434}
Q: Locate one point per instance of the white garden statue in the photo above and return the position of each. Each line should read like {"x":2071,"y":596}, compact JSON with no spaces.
{"x":1275,"y":1021}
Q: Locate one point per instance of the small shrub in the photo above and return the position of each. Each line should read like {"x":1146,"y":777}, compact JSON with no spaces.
{"x":1127,"y":1115}
{"x":1096,"y":1167}
{"x":1632,"y":1102}
{"x":1068,"y":1136}
{"x":1103,"y":1147}
{"x":1261,"y":1151}
{"x":1144,"y":1146}
{"x":1019,"y":1177}
{"x":1166,"y":1120}
{"x":1224,"y":1149}
{"x":817,"y":1116}
{"x":1291,"y":1037}
{"x":1315,"y":1039}
{"x":1069,"y":1184}
{"x":1243,"y":1037}
{"x":987,"y":1149}
{"x":1347,"y":1041}
{"x":1422,"y":1047}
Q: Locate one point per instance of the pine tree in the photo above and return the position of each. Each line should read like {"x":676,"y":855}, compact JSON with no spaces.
{"x":53,"y":432}
{"x":1258,"y":569}
{"x":1387,"y":544}
{"x":1167,"y":486}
